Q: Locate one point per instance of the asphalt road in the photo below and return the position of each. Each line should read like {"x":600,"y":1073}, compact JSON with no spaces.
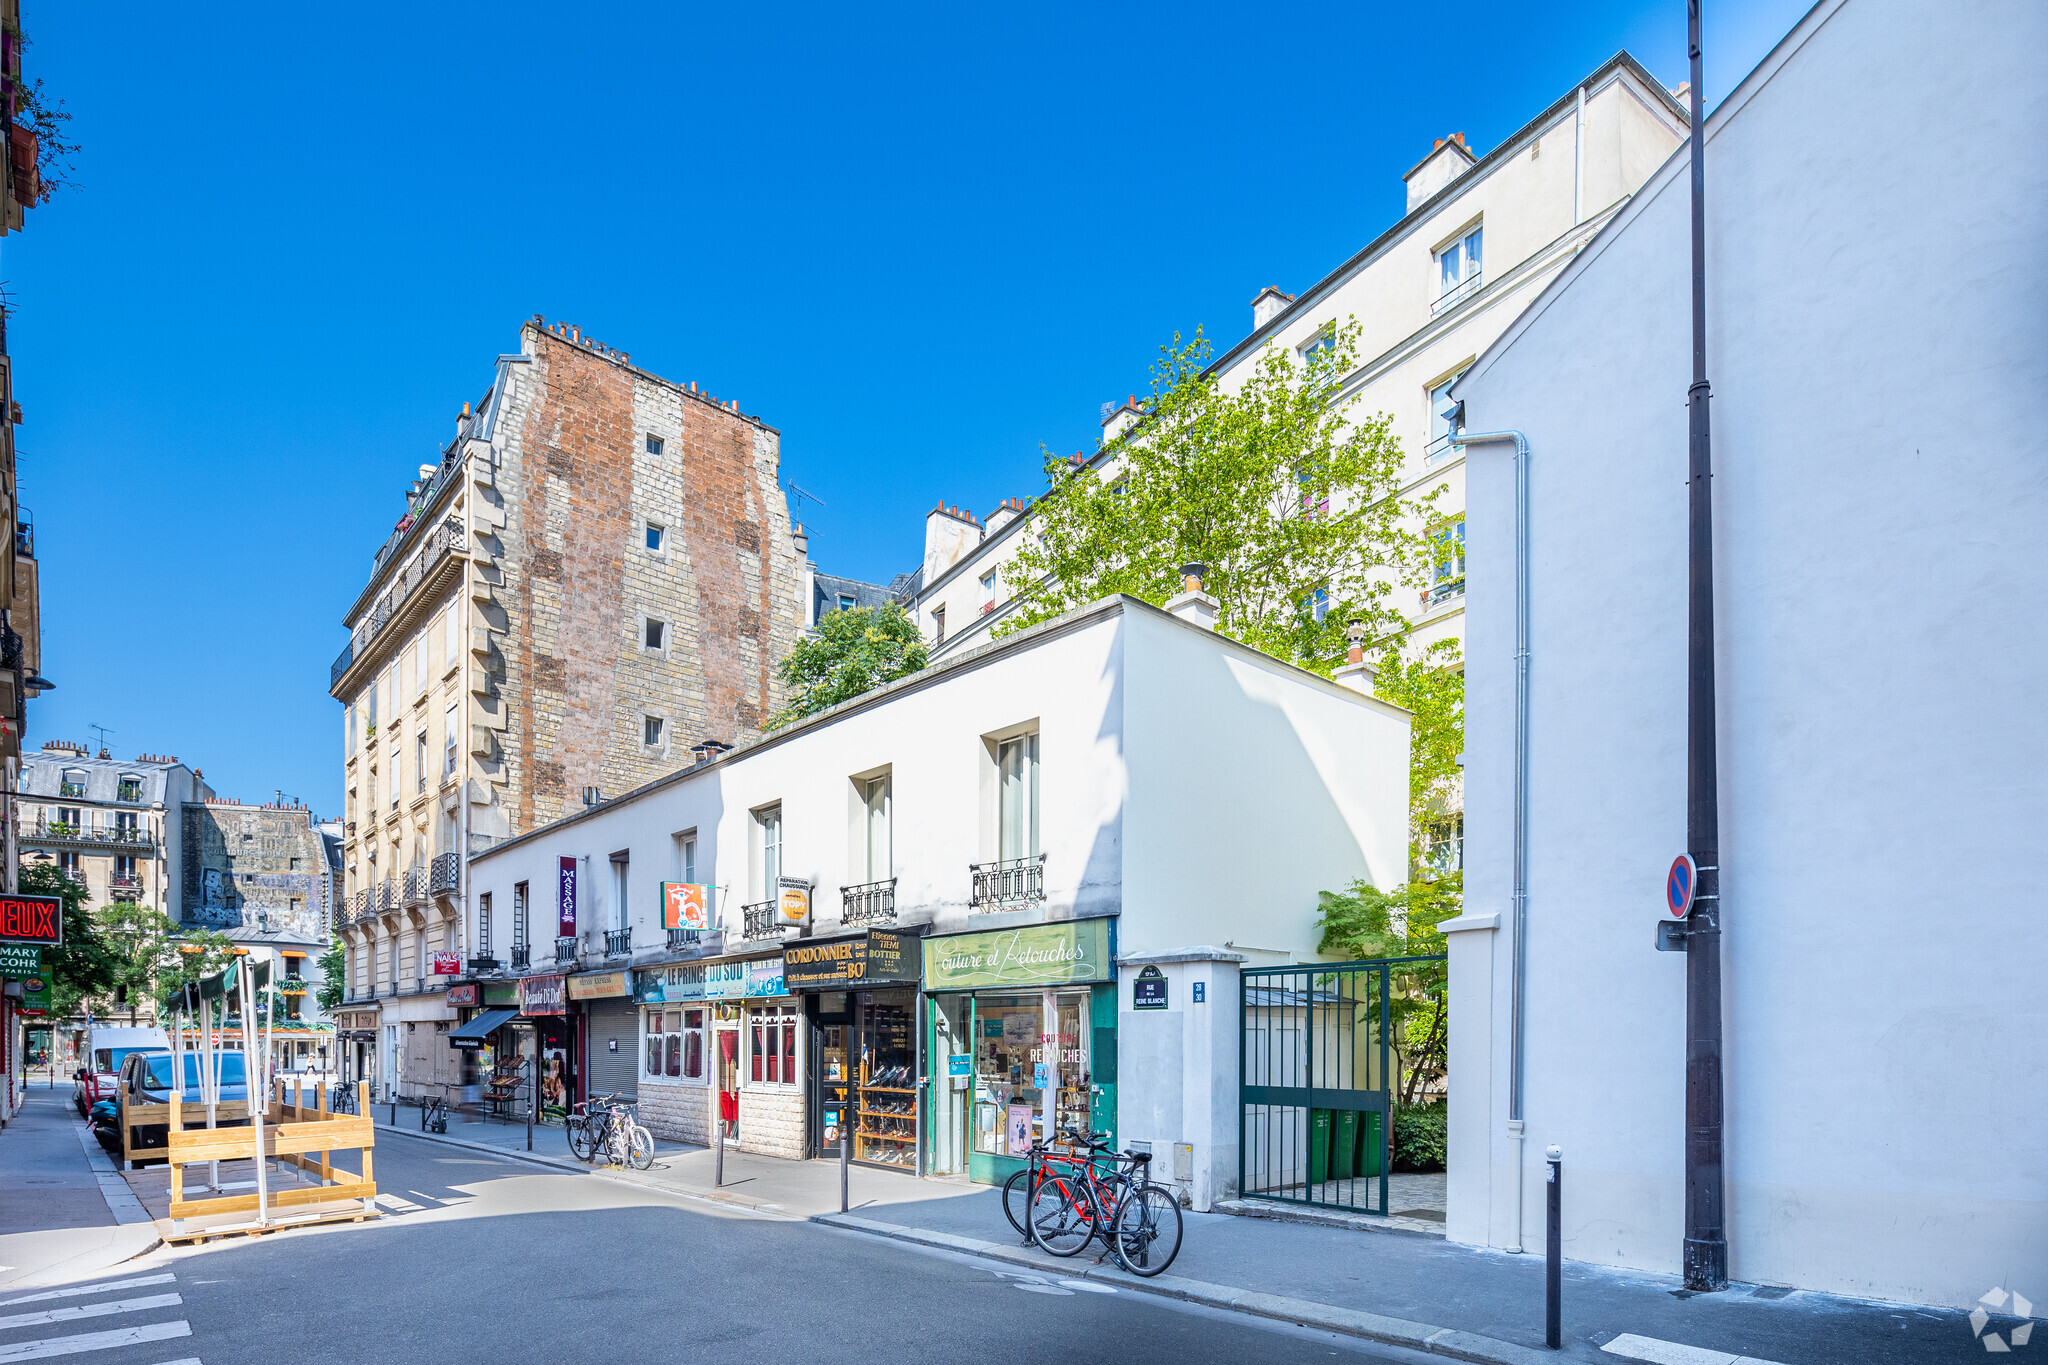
{"x":492,"y":1260}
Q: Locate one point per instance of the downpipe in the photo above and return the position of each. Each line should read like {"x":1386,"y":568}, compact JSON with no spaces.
{"x":1518,"y":943}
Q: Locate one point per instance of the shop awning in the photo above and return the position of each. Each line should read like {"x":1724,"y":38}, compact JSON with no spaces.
{"x":478,"y":1031}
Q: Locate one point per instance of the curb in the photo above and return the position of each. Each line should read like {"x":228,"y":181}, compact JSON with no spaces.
{"x":1414,"y":1336}
{"x":603,"y":1173}
{"x":1329,"y":1218}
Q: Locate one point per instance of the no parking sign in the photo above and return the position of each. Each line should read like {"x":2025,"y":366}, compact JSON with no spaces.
{"x":1679,"y":885}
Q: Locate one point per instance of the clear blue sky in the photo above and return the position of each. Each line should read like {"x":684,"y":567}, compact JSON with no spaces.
{"x":918,"y":242}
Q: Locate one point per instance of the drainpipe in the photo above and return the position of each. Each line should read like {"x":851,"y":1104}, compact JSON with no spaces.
{"x":1579,"y":161}
{"x":1519,"y":942}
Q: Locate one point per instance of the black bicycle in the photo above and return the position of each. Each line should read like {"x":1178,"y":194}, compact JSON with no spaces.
{"x":586,"y":1124}
{"x":434,"y":1115}
{"x":341,"y":1100}
{"x":1108,"y":1195}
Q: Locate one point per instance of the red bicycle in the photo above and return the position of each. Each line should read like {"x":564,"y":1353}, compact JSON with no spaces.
{"x":1107,"y":1195}
{"x":1041,"y":1164}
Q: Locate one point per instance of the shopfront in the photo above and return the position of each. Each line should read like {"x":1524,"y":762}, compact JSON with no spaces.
{"x":859,"y":1008}
{"x":609,"y":1026}
{"x":498,"y":1048}
{"x":1021,"y":1043}
{"x":675,"y":1052}
{"x":355,"y":1047}
{"x":544,"y":1005}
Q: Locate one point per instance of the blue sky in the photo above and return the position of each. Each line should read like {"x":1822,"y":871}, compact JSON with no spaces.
{"x":919,"y":242}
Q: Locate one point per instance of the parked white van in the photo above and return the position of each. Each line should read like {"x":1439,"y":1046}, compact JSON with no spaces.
{"x":105,"y":1051}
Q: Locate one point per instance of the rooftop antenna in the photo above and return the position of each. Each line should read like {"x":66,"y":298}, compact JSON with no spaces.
{"x":799,"y":494}
{"x":103,"y":732}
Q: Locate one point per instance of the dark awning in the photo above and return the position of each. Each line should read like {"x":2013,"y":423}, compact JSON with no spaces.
{"x":478,"y":1031}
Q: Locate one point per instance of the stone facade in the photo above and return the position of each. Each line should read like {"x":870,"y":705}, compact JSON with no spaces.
{"x":772,"y":1122}
{"x":254,"y":866}
{"x":677,"y":1111}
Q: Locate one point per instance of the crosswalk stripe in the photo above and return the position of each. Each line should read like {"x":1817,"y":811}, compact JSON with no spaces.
{"x":93,"y":1341}
{"x":106,"y":1288}
{"x":88,"y":1310}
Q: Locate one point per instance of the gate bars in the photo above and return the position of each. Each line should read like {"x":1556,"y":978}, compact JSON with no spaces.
{"x":1315,"y":1068}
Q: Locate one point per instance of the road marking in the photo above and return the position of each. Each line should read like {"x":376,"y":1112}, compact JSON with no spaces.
{"x":1089,"y":1286}
{"x":104,"y":1288}
{"x":188,"y":1360}
{"x":397,"y":1205}
{"x":88,"y":1310}
{"x":93,"y":1341}
{"x":1629,"y":1346}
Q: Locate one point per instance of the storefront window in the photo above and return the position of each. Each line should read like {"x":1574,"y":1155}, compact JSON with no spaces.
{"x":772,"y":1045}
{"x":675,"y":1044}
{"x":1031,"y":1077}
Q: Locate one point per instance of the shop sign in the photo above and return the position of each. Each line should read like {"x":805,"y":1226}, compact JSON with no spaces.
{"x":685,"y":905}
{"x":447,"y":964}
{"x":32,"y":919}
{"x":1148,"y":991}
{"x":764,"y":977}
{"x":1030,"y":955}
{"x":880,"y":955}
{"x":35,"y":996}
{"x":673,"y":984}
{"x":599,"y":986}
{"x":795,"y":901}
{"x":20,"y":959}
{"x":565,"y":899}
{"x":725,"y":980}
{"x":470,"y":994}
{"x":503,"y":994}
{"x":543,"y":995}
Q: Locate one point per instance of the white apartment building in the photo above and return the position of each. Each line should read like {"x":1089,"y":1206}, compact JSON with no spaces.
{"x":1879,"y":369}
{"x":1010,"y":836}
{"x":112,"y":825}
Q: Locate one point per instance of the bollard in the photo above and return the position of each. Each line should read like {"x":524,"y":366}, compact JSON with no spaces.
{"x":1553,"y":1256}
{"x":845,"y":1154}
{"x":529,"y":1123}
{"x":718,"y":1162}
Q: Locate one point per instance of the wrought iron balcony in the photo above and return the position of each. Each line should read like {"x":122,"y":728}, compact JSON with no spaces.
{"x":90,"y":828}
{"x":387,"y":896}
{"x":1008,"y":884}
{"x":415,"y":887}
{"x":759,"y":920}
{"x":872,"y":903}
{"x":565,"y":950}
{"x":444,"y":874}
{"x":679,"y":939}
{"x":446,"y":538}
{"x":522,"y":956}
{"x":618,"y":942}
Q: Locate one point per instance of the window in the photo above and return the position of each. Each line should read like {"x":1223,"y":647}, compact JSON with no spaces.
{"x":654,"y":445}
{"x":846,"y":602}
{"x":67,"y":816}
{"x":67,"y":863}
{"x":483,"y":924}
{"x":348,"y":730}
{"x":675,"y":1044}
{"x":1447,"y":571}
{"x":771,"y":1040}
{"x":125,"y":827}
{"x":1441,"y":428}
{"x":451,"y":635}
{"x":657,"y":536}
{"x":768,"y":839}
{"x":684,"y":863}
{"x":298,"y":905}
{"x":519,"y":939}
{"x":1319,"y":605}
{"x":450,"y":727}
{"x":370,"y":709}
{"x":130,"y":788}
{"x":650,"y":731}
{"x":1457,"y":270}
{"x":417,"y":658}
{"x":1017,"y":804}
{"x":938,"y":625}
{"x":419,"y":765}
{"x":293,"y":865}
{"x":875,"y":798}
{"x":73,"y":782}
{"x":620,"y":865}
{"x":988,"y":592}
{"x":394,"y":779}
{"x":656,"y":633}
{"x":1318,"y":357}
{"x":124,"y":867}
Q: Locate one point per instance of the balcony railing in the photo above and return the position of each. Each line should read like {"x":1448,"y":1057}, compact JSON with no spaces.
{"x":387,"y":896}
{"x":1437,"y":594}
{"x":89,"y":829}
{"x":443,"y":875}
{"x":873,"y":903}
{"x":124,"y":888}
{"x":565,"y":950}
{"x":1008,"y":884}
{"x":522,"y":956}
{"x":759,"y":920}
{"x":447,"y":538}
{"x":415,"y":887}
{"x":1458,"y":293}
{"x":679,"y":939}
{"x":618,"y":942}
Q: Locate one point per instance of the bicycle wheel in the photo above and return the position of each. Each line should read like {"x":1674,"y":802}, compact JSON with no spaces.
{"x":1017,"y":1200}
{"x":1062,"y":1217}
{"x":1148,"y":1230}
{"x":582,"y":1143}
{"x":641,"y":1150}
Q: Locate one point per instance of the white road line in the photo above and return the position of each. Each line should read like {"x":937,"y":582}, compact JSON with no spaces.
{"x":1650,"y":1350}
{"x":188,"y":1360}
{"x":106,"y":1287}
{"x":88,"y":1310}
{"x":93,"y":1341}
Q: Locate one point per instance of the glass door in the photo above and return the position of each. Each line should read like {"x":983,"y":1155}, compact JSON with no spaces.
{"x":885,"y":1071}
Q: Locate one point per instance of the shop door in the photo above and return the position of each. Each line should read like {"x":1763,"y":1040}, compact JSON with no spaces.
{"x":729,"y":1079}
{"x":613,"y":1030}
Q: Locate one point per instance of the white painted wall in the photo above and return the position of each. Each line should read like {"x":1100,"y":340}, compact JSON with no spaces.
{"x":1879,"y":356}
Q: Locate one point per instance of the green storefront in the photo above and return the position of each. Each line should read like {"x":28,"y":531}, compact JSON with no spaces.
{"x":1021,"y":1042}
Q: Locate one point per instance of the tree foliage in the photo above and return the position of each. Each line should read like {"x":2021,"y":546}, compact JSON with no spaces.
{"x":1430,"y":683}
{"x":333,"y":979}
{"x":1366,"y":922}
{"x":851,"y":651}
{"x":85,"y":965}
{"x":199,"y":954}
{"x":1284,"y":492}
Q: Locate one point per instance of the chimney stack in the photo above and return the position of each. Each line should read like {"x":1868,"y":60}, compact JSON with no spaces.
{"x":1270,"y":304}
{"x":1193,"y":605}
{"x":1355,"y":673}
{"x":1118,"y":418}
{"x":950,"y":533}
{"x":801,"y":538}
{"x":1447,"y":160}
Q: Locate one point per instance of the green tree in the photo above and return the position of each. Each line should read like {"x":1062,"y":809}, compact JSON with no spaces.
{"x":141,"y":938}
{"x":1366,"y":922}
{"x":852,"y":651}
{"x":1430,"y":683}
{"x":333,"y":979}
{"x":85,"y":965}
{"x":199,"y":953}
{"x":1285,"y":493}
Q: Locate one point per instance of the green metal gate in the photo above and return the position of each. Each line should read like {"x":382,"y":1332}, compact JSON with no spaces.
{"x":1315,"y":1083}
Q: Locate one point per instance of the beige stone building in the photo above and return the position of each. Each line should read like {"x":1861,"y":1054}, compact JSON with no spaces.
{"x":597,"y":574}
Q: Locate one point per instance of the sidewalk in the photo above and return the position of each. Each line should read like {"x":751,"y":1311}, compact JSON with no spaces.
{"x":1420,"y":1292}
{"x":65,"y":1212}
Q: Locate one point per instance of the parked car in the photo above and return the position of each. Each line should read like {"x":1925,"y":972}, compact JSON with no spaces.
{"x":106,"y":1050}
{"x":146,"y":1079}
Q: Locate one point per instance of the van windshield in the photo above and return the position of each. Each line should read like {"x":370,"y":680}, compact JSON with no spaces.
{"x":159,"y":1078}
{"x":109,"y":1059}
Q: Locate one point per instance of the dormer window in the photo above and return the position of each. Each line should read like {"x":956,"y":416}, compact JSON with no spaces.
{"x":73,"y":783}
{"x":131,"y":788}
{"x":1457,"y":269}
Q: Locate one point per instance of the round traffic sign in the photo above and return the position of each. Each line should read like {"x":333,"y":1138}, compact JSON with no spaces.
{"x":1679,"y":885}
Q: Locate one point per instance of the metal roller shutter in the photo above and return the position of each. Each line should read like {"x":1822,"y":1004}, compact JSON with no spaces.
{"x":614,"y":1021}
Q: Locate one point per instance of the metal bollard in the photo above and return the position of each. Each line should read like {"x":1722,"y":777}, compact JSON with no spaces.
{"x":718,"y":1162}
{"x":529,"y":1124}
{"x":1553,"y":1256}
{"x":845,"y":1155}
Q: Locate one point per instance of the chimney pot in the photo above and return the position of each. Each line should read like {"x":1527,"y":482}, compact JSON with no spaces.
{"x":1192,"y":604}
{"x":1270,"y":304}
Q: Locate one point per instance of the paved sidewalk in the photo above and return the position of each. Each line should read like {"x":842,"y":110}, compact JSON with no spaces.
{"x":65,"y":1213}
{"x":1420,"y":1292}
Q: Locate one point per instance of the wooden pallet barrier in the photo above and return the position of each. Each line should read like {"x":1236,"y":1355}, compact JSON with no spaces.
{"x":289,"y":1134}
